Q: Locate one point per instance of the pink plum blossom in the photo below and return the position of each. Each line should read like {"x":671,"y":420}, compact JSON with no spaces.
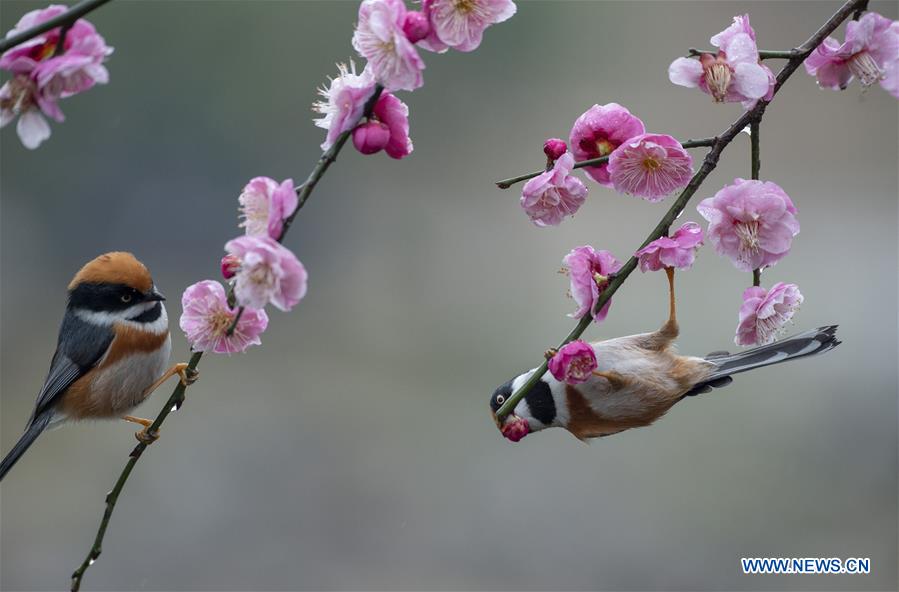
{"x":554,"y":194}
{"x":207,"y":318}
{"x":371,"y":137}
{"x":460,"y":24}
{"x":589,"y":271}
{"x":379,"y":38}
{"x":554,"y":148}
{"x":265,"y":204}
{"x":269,"y":272}
{"x":735,"y":74}
{"x":416,"y":26}
{"x":41,"y":78}
{"x":229,"y":266}
{"x":678,"y":250}
{"x":869,"y":53}
{"x":394,"y":113}
{"x":344,"y":102}
{"x":764,"y":313}
{"x":574,"y":363}
{"x":515,"y":429}
{"x":598,"y":132}
{"x":650,"y":166}
{"x":20,"y":96}
{"x":751,"y":222}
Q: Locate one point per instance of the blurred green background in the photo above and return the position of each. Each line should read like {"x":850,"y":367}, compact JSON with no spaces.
{"x":355,"y":449}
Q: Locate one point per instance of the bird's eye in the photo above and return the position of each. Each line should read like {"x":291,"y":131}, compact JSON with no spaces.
{"x":500,"y":399}
{"x":126,"y":298}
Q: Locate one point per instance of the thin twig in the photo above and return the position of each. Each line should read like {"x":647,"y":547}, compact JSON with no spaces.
{"x":708,"y":165}
{"x":177,"y":398}
{"x":764,"y":54}
{"x":66,"y":18}
{"x":61,"y":42}
{"x":756,"y":165}
{"x":506,"y":183}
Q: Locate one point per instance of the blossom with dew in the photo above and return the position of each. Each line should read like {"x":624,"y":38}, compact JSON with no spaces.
{"x":554,"y":194}
{"x":207,"y":318}
{"x":764,"y":313}
{"x":515,"y":429}
{"x":394,"y":113}
{"x":41,"y":78}
{"x":460,"y":24}
{"x":554,"y":148}
{"x":733,"y":75}
{"x":869,"y":53}
{"x":650,"y":166}
{"x":229,"y":266}
{"x":344,"y":101}
{"x":678,"y":250}
{"x":379,"y":38}
{"x":589,"y":271}
{"x":598,"y":132}
{"x":573,"y":363}
{"x":269,"y":272}
{"x":751,"y":222}
{"x":265,"y":204}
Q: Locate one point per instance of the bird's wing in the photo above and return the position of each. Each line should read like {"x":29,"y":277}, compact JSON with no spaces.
{"x":81,"y":346}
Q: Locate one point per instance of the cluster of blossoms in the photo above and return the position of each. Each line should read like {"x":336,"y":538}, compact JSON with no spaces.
{"x":260,"y":269}
{"x":750,"y":222}
{"x":650,"y":166}
{"x":46,"y":69}
{"x":388,"y":36}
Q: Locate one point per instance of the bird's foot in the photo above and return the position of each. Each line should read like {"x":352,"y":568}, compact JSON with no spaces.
{"x":188,"y":375}
{"x":145,"y":436}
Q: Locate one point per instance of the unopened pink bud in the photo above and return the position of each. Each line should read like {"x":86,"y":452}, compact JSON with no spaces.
{"x":416,"y":26}
{"x":371,"y":137}
{"x":553,"y":148}
{"x":230,"y":266}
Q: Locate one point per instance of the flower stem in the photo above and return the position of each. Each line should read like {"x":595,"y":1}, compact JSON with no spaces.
{"x":506,"y":183}
{"x":756,"y":165}
{"x":177,"y":397}
{"x":757,"y":276}
{"x":708,"y":165}
{"x":66,"y":19}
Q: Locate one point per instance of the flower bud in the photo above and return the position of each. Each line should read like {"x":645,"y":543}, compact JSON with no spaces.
{"x":416,"y":26}
{"x":553,"y":148}
{"x":371,"y":137}
{"x":230,"y":266}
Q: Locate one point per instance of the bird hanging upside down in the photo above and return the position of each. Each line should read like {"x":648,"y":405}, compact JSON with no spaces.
{"x":112,"y":352}
{"x":637,"y":380}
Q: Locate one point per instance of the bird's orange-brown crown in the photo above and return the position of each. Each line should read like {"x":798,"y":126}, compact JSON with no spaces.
{"x":117,"y":267}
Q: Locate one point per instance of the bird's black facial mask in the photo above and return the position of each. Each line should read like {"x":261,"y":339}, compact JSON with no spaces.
{"x":541,"y":404}
{"x":106,"y":297}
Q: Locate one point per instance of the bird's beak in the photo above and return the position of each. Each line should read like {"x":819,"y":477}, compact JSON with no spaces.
{"x":155,"y":295}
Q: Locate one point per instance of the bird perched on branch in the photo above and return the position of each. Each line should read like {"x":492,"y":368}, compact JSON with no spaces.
{"x":112,"y":352}
{"x":637,"y":380}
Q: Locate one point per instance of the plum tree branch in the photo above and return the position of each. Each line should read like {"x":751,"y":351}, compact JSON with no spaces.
{"x":304,"y":191}
{"x":708,"y":165}
{"x":65,"y":20}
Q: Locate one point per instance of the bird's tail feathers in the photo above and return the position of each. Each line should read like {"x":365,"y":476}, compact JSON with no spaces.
{"x":814,"y":342}
{"x":35,"y":428}
{"x":810,"y":343}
